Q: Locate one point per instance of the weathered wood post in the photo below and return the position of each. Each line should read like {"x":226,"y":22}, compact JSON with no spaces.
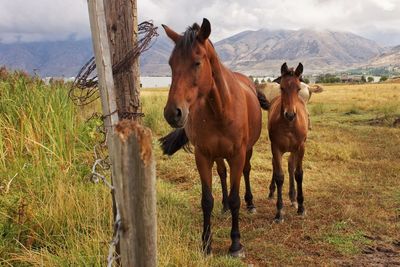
{"x":122,"y":28}
{"x":103,"y":64}
{"x":105,"y":77}
{"x":130,"y":146}
{"x":134,"y":183}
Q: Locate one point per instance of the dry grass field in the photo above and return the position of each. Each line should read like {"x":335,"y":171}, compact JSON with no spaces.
{"x":352,"y":188}
{"x":51,"y":214}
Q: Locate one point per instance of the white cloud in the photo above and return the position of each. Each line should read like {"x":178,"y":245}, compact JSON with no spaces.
{"x":30,"y":20}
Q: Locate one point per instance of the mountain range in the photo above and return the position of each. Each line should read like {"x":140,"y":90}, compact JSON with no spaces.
{"x":252,"y":52}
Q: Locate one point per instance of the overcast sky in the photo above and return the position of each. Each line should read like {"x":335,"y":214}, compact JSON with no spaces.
{"x":33,"y":20}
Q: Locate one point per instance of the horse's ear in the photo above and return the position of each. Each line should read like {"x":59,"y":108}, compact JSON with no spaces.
{"x":299,"y":70}
{"x":205,"y":31}
{"x":284,"y":69}
{"x":171,"y":33}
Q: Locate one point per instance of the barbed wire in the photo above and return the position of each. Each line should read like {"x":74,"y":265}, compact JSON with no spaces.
{"x":84,"y":90}
{"x":102,"y":162}
{"x":115,"y":240}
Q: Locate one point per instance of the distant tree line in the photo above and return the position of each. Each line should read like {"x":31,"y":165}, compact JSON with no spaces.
{"x":257,"y":81}
{"x":331,"y":78}
{"x":328,"y":78}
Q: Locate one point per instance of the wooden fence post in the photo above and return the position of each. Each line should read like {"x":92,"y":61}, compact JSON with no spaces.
{"x":130,"y":150}
{"x":122,"y":28}
{"x":103,"y":64}
{"x":135,"y":192}
{"x":105,"y":80}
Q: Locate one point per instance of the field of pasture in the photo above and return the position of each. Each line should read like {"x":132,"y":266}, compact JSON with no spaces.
{"x":51,"y":214}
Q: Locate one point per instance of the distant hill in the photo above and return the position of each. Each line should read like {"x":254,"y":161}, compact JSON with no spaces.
{"x":61,"y":58}
{"x":253,"y":52}
{"x":389,"y":58}
{"x":264,"y":51}
{"x":154,"y":62}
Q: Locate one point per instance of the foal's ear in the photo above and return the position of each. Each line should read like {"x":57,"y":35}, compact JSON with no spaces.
{"x":284,"y":69}
{"x":171,"y":33}
{"x":299,"y":70}
{"x":205,"y":31}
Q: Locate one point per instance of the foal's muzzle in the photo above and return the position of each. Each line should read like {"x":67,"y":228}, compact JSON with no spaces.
{"x":175,"y":116}
{"x":290,"y":116}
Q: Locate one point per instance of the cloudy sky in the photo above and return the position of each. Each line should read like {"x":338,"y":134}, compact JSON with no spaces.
{"x":33,"y":20}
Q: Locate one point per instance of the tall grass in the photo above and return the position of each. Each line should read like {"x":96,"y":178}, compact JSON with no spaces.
{"x":49,"y":212}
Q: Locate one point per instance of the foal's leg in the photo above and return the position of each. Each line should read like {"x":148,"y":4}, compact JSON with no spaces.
{"x":278,"y":178}
{"x":221,"y":169}
{"x":248,"y":197}
{"x":271,"y":189}
{"x":292,"y":190}
{"x":299,"y":180}
{"x":236,"y":165}
{"x":204,"y":166}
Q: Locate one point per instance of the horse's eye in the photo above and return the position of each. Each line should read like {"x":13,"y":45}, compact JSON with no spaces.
{"x":197,"y":64}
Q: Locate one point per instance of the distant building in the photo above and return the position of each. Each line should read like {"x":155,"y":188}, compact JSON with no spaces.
{"x":346,"y":78}
{"x":48,"y":80}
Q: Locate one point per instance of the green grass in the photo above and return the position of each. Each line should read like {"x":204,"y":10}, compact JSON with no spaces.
{"x":318,"y":109}
{"x":345,"y":240}
{"x":51,"y":214}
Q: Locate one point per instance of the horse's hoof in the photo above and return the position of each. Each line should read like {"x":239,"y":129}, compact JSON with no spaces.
{"x":237,"y":254}
{"x":208,"y":254}
{"x":294,"y":204}
{"x":207,"y":251}
{"x":251,"y":209}
{"x":278,"y":220}
{"x":301,"y":213}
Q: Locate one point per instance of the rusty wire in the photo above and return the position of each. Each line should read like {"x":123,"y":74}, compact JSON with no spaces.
{"x":84,"y":90}
{"x":100,"y":166}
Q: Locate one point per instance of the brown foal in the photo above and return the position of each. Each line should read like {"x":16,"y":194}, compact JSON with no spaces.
{"x":287,"y":128}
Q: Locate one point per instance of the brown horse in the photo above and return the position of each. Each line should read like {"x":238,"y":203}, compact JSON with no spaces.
{"x":218,"y":111}
{"x":287,"y":128}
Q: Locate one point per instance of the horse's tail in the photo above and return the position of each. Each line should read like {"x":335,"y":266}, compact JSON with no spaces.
{"x":315,"y":88}
{"x":174,"y":141}
{"x":264,"y":103}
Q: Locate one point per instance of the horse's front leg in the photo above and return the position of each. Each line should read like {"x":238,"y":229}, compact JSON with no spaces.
{"x":248,"y":197}
{"x":292,"y":190}
{"x":204,"y":166}
{"x":221,"y":169}
{"x":299,"y":180}
{"x":278,"y":178}
{"x":236,"y":165}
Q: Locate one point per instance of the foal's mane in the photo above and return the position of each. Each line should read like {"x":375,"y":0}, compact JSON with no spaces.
{"x":186,"y":43}
{"x":289,"y":73}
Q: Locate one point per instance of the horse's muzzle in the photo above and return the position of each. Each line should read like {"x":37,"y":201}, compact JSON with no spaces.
{"x":290,"y":116}
{"x":175,"y":116}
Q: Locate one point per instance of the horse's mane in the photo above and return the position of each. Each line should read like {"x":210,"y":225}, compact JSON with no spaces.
{"x":185,"y":44}
{"x":290,"y":72}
